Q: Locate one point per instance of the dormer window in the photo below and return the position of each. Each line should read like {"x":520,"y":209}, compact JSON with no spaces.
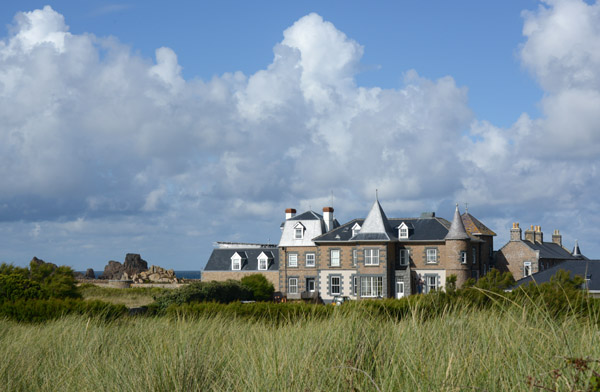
{"x":298,"y":231}
{"x":263,"y":262}
{"x":355,"y":229}
{"x":403,"y":231}
{"x":236,"y":262}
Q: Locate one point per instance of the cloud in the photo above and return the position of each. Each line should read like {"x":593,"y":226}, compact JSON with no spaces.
{"x":105,"y":146}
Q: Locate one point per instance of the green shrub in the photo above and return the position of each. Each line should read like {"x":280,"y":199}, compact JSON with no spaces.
{"x":46,"y":309}
{"x":55,"y":282}
{"x":261,"y":288}
{"x":223,"y":292}
{"x":14,"y":287}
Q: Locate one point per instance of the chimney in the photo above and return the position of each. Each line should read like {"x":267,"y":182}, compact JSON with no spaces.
{"x":529,"y":235}
{"x":290,"y":213}
{"x":538,"y":235}
{"x":515,"y":232}
{"x":328,"y":217}
{"x":557,"y":238}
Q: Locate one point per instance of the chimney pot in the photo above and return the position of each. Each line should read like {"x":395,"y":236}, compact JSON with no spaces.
{"x":290,"y":213}
{"x":328,"y":217}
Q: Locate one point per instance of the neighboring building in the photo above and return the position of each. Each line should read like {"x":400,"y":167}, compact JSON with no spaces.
{"x":236,"y":260}
{"x":525,"y":257}
{"x":589,"y":270}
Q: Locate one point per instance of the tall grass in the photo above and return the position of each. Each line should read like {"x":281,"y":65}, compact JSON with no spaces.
{"x":130,"y":297}
{"x":492,"y":350}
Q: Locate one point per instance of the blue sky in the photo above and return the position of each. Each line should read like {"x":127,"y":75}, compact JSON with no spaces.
{"x":137,"y":127}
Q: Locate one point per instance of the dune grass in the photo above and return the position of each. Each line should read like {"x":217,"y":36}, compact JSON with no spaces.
{"x":491,"y":350}
{"x":131,"y":297}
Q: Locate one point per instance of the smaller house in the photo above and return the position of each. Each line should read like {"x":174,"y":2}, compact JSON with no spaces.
{"x":236,"y":260}
{"x":587,"y":269}
{"x":526,"y":256}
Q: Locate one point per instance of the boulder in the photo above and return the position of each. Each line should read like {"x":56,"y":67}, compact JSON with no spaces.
{"x":113,"y":270}
{"x":134,"y":264}
{"x":90,"y":274}
{"x":155,"y":274}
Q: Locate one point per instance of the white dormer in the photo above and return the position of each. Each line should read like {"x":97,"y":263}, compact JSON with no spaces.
{"x":299,"y":231}
{"x":236,"y":262}
{"x":263,"y":261}
{"x":355,"y":229}
{"x":403,"y":231}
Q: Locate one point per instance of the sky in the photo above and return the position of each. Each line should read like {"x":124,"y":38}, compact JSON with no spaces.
{"x":137,"y":127}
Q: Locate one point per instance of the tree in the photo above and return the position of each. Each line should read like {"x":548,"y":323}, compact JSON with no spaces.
{"x":261,"y":288}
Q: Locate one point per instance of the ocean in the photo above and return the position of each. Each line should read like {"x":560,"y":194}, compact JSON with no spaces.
{"x":179,"y":274}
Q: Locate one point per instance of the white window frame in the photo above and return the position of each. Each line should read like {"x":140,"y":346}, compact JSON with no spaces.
{"x":313,"y":280}
{"x":331,"y":258}
{"x":292,"y":259}
{"x":428,"y":287}
{"x":371,"y":286}
{"x":527,"y":270}
{"x":236,"y":262}
{"x":399,"y":287}
{"x":338,"y":285}
{"x":354,"y":257}
{"x":463,"y":257}
{"x":371,"y":256}
{"x":293,"y":286}
{"x":355,"y":285}
{"x":404,"y":257}
{"x":261,"y":261}
{"x":298,"y":233}
{"x":431,"y":255}
{"x":314,"y":258}
{"x":403,"y":231}
{"x":355,"y":229}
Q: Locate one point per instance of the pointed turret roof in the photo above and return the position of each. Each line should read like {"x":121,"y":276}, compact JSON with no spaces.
{"x":376,"y":226}
{"x":457,"y":228}
{"x":576,"y":251}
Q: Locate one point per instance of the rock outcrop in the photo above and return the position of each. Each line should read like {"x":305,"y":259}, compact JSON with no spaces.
{"x":89,"y":274}
{"x":155,"y":274}
{"x":134,"y":264}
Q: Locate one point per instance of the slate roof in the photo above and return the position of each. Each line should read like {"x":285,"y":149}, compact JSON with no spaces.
{"x":550,"y":250}
{"x":376,"y":226}
{"x":308,"y":215}
{"x":457,"y":228}
{"x":583,"y":268}
{"x":421,"y":229}
{"x":220,"y":259}
{"x":474,"y":226}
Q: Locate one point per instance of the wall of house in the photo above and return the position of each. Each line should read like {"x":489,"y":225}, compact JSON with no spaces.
{"x":511,"y":257}
{"x":302,"y":272}
{"x":346,"y":277}
{"x":221,"y":276}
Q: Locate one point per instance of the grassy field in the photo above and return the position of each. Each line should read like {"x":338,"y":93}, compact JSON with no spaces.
{"x":131,"y":297}
{"x":464,"y":350}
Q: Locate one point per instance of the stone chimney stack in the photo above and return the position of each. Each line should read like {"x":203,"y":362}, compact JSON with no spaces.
{"x":557,"y":238}
{"x":328,"y":217}
{"x":529,"y":235}
{"x":290,"y":213}
{"x":538,"y":235}
{"x":515,"y":232}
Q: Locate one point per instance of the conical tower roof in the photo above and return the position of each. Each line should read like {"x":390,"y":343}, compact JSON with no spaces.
{"x":576,"y":251}
{"x":376,"y":226}
{"x":457,"y":228}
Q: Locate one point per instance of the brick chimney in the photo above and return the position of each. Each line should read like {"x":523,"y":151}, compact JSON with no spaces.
{"x":529,"y":234}
{"x":328,"y":217}
{"x":538,"y":235}
{"x":290,"y":213}
{"x":515,"y":232}
{"x":557,"y":238}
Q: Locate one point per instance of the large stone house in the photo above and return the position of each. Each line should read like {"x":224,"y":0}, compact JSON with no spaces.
{"x":372,"y":257}
{"x":526,"y":256}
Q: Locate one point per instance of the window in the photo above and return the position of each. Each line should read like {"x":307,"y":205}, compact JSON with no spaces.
{"x":474,"y":256}
{"x":263,"y":263}
{"x":371,"y":256}
{"x":354,"y":285}
{"x":334,"y":258}
{"x":310,"y":285}
{"x":354,"y":257}
{"x":431,"y":255}
{"x":404,"y":256}
{"x":292,"y":260}
{"x":431,"y":283}
{"x":310,"y":259}
{"x":335,"y":285}
{"x":403,"y":230}
{"x":293,"y":286}
{"x":236,"y":262}
{"x":526,"y":268}
{"x":298,"y":233}
{"x":355,"y":229}
{"x":371,"y":286}
{"x":463,"y":257}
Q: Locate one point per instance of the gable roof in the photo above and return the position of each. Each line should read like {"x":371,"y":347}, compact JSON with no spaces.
{"x":457,"y":228}
{"x":376,"y":226}
{"x":583,"y":268}
{"x":220,"y":259}
{"x":550,"y":250}
{"x":474,"y":227}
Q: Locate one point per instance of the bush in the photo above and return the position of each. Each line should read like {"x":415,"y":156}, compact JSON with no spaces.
{"x":54,"y":282}
{"x":223,"y":292}
{"x":14,"y":287}
{"x":46,"y":309}
{"x":261,"y":288}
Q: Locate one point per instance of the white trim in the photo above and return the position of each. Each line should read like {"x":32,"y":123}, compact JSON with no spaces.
{"x":338,"y":259}
{"x":294,"y":258}
{"x":371,"y":256}
{"x":236,"y":262}
{"x":355,"y":229}
{"x":314,"y":258}
{"x":403,"y":231}
{"x":406,"y":259}
{"x":431,"y":259}
{"x":294,"y":286}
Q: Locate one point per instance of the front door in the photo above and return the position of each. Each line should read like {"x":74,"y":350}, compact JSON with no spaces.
{"x":399,"y":288}
{"x":310,"y":285}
